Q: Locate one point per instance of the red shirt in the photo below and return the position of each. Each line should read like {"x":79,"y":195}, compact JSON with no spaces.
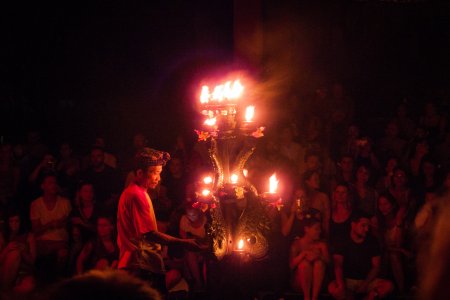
{"x":135,"y":216}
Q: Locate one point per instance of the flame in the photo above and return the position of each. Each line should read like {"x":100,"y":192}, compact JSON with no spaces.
{"x":240,"y":244}
{"x":207,"y":180}
{"x":210,"y":122}
{"x":245,"y":172}
{"x":206,"y":193}
{"x":227,"y":91}
{"x":204,"y":96}
{"x":234,"y":178}
{"x":249,"y":113}
{"x":273,"y":183}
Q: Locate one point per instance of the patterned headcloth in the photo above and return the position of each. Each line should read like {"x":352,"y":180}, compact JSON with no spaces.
{"x":151,"y":157}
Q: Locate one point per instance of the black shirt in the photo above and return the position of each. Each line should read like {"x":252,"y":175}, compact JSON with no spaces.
{"x":358,"y":257}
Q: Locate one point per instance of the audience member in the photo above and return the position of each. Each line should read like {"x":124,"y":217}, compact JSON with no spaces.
{"x":388,"y":228}
{"x":85,"y":210}
{"x":101,"y":252}
{"x":112,"y":285}
{"x":49,"y":215}
{"x":365,"y":196}
{"x":192,"y":225}
{"x":341,"y":212}
{"x":68,"y":169}
{"x":308,"y":259}
{"x":357,"y":263}
{"x":105,"y":179}
{"x":17,"y":256}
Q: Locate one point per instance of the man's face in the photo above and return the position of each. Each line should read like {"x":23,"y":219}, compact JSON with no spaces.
{"x":347,"y":164}
{"x":50,"y":186}
{"x":361,"y":227}
{"x":97,"y":158}
{"x":151,"y":178}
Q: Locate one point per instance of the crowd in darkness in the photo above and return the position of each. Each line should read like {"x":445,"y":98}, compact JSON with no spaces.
{"x":58,"y":210}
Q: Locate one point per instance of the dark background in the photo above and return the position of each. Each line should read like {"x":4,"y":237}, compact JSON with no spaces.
{"x":74,"y":70}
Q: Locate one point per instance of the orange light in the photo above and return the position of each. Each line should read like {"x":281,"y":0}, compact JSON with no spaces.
{"x":249,"y":113}
{"x":245,"y":172}
{"x":234,"y":178}
{"x":240,"y":244}
{"x":207,"y":180}
{"x":273,"y":183}
{"x":227,"y":91}
{"x":206,"y":193}
{"x":210,"y":122}
{"x":204,"y":96}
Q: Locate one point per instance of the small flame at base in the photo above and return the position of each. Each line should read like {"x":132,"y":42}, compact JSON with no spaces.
{"x":240,"y":245}
{"x":273,"y":183}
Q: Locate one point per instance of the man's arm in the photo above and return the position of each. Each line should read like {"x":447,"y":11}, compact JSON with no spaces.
{"x":165,"y":239}
{"x":373,"y":273}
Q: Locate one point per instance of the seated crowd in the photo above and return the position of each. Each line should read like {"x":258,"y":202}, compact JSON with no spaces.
{"x":357,"y":208}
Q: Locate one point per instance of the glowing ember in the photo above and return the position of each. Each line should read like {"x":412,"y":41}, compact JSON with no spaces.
{"x":273,"y":183}
{"x":206,"y":193}
{"x":245,"y":172}
{"x":210,"y":122}
{"x":207,"y":180}
{"x":240,"y":245}
{"x":249,"y":113}
{"x":227,"y":91}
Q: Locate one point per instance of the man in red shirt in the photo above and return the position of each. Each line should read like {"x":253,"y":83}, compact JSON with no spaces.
{"x":138,"y":236}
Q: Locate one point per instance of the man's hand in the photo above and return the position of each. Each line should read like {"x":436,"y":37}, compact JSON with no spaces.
{"x":362,"y":289}
{"x":194,"y":245}
{"x":311,"y":255}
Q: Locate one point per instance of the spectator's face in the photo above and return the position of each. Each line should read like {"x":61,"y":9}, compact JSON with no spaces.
{"x":361,"y":227}
{"x":340,"y":194}
{"x":362,"y":174}
{"x":151,"y":178}
{"x":391,"y":164}
{"x":97,"y":158}
{"x":392,"y":130}
{"x":422,"y":148}
{"x":353,"y":131}
{"x":139,"y":141}
{"x":14,"y":224}
{"x":314,"y":181}
{"x":346,"y":164}
{"x":104,"y":227}
{"x":87,"y":193}
{"x":312,"y":163}
{"x":192,"y":214}
{"x":176,"y":166}
{"x":384,"y":206}
{"x":50,"y":186}
{"x":313,"y":231}
{"x":400,"y":178}
{"x":76,"y":234}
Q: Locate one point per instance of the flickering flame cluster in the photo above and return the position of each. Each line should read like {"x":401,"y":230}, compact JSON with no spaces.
{"x":228,"y":91}
{"x":222,"y":100}
{"x":220,"y":107}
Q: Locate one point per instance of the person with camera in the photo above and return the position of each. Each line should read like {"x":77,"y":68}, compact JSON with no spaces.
{"x":49,"y":215}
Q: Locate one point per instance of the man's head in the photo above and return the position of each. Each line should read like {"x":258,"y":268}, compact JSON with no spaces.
{"x":360,"y":225}
{"x":97,"y":157}
{"x":49,"y":185}
{"x":148,"y":167}
{"x":104,"y":285}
